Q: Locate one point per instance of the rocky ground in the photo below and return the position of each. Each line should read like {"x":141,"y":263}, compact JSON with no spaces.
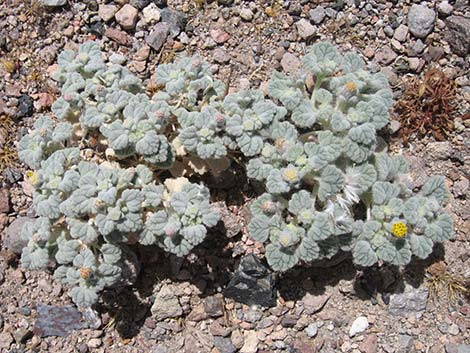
{"x":186,"y":306}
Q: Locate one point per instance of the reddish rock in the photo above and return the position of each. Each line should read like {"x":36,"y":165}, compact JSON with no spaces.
{"x":4,"y":201}
{"x":219,"y":36}
{"x":118,"y":36}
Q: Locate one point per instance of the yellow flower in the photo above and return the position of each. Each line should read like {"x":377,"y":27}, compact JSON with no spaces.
{"x":290,"y":175}
{"x":32,"y":177}
{"x":85,"y":272}
{"x":399,"y":229}
{"x":350,"y":86}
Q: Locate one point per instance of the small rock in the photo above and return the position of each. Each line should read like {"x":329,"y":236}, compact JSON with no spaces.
{"x":92,"y":318}
{"x":107,"y":12}
{"x":391,"y":76}
{"x":94,"y":342}
{"x":439,"y":150}
{"x":411,"y":300}
{"x":400,"y":33}
{"x":453,"y":329}
{"x":230,"y":222}
{"x":421,"y":20}
{"x":53,"y":3}
{"x":405,"y":343}
{"x":57,"y":320}
{"x":225,"y":2}
{"x":290,"y":63}
{"x":415,"y":64}
{"x":25,"y":106}
{"x":127,"y":16}
{"x":13,"y":241}
{"x":237,"y":339}
{"x":219,"y":36}
{"x":176,"y":21}
{"x":224,"y":345}
{"x":358,"y":326}
{"x":139,"y":4}
{"x":317,"y":14}
{"x":158,"y":36}
{"x":458,"y":34}
{"x":457,"y":348}
{"x":118,"y":36}
{"x":83,"y":348}
{"x":214,"y":306}
{"x":288,"y":321}
{"x":151,"y":14}
{"x":460,"y":187}
{"x":311,"y":330}
{"x":4,"y":201}
{"x":251,"y":342}
{"x":166,"y":304}
{"x":444,"y":8}
{"x":246,"y":14}
{"x":369,"y":345}
{"x":385,"y":55}
{"x":305,"y":29}
{"x":197,"y":314}
{"x":314,"y":303}
{"x":252,"y":315}
{"x":6,"y":340}
{"x":22,"y":335}
{"x":252,"y":283}
{"x":394,"y":126}
{"x":143,"y":53}
{"x":221,"y":56}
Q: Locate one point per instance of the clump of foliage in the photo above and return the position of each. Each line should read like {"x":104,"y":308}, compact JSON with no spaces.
{"x":427,"y":106}
{"x":327,"y":187}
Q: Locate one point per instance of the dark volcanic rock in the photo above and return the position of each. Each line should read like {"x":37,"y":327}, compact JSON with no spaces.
{"x":458,"y":34}
{"x":57,"y":320}
{"x":252,"y":283}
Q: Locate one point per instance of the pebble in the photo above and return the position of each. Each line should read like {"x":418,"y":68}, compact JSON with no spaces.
{"x":290,"y":63}
{"x":421,"y":20}
{"x":221,"y":56}
{"x":57,"y":320}
{"x":127,"y":16}
{"x":6,"y":339}
{"x":151,"y":14}
{"x":176,"y":20}
{"x":250,"y":343}
{"x":13,"y":241}
{"x":305,"y":29}
{"x":118,"y":36}
{"x":311,"y":330}
{"x":411,"y":300}
{"x":214,"y":306}
{"x":107,"y":12}
{"x":166,"y":304}
{"x":94,"y":342}
{"x":224,"y":345}
{"x":4,"y":201}
{"x":317,"y":14}
{"x":385,"y":55}
{"x":219,"y":36}
{"x":314,"y":303}
{"x":358,"y":326}
{"x":53,"y":3}
{"x":370,"y":344}
{"x":458,"y":34}
{"x":461,"y":187}
{"x":400,"y":33}
{"x":157,"y":36}
{"x":25,"y":106}
{"x":439,"y":150}
{"x":444,"y":8}
{"x":139,"y":4}
{"x":405,"y":342}
{"x":246,"y":14}
{"x":453,"y":329}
